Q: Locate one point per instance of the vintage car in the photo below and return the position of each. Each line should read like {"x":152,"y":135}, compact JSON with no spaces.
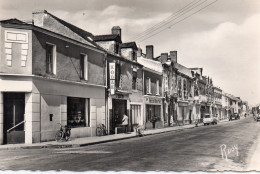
{"x":234,"y":116}
{"x":209,"y":119}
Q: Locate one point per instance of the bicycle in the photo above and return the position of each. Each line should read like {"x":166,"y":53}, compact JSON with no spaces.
{"x":63,"y":133}
{"x":139,"y":130}
{"x":101,"y":130}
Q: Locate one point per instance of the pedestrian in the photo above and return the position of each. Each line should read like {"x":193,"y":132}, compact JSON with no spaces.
{"x":125,"y":123}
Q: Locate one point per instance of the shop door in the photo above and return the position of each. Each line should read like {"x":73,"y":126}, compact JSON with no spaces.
{"x":119,"y":109}
{"x":14,"y":104}
{"x":190,"y":116}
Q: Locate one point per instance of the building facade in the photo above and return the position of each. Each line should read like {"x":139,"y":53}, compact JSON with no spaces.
{"x":125,"y":81}
{"x":49,"y":75}
{"x":153,"y":94}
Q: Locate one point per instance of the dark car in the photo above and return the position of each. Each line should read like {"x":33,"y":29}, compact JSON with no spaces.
{"x":257,"y":118}
{"x":234,"y":116}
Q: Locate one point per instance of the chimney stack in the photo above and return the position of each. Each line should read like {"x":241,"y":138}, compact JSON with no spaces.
{"x":164,"y":57}
{"x":139,"y":52}
{"x":149,"y":52}
{"x":173,"y":56}
{"x":116,"y":30}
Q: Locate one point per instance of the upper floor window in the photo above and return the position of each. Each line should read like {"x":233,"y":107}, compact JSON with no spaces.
{"x":157,"y":87}
{"x":118,"y":76}
{"x":166,"y":83}
{"x":134,"y":83}
{"x":83,"y":66}
{"x":50,"y":58}
{"x":148,"y":85}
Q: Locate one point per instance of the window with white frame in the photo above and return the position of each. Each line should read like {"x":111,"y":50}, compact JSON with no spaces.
{"x":50,"y":58}
{"x":166,"y":83}
{"x":148,"y":85}
{"x":157,"y":87}
{"x":84,"y":66}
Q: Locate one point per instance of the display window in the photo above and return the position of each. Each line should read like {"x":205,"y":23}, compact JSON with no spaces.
{"x":78,"y":112}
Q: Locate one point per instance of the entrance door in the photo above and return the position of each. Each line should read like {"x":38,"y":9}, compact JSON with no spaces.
{"x":14,"y":104}
{"x":190,"y":116}
{"x":119,"y":109}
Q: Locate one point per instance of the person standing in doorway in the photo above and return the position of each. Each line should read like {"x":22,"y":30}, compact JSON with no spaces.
{"x":125,"y":123}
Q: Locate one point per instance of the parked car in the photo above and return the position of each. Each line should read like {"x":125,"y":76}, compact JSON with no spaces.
{"x":234,"y":116}
{"x":209,"y":119}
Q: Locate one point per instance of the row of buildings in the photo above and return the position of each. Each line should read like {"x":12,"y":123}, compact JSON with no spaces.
{"x":54,"y":72}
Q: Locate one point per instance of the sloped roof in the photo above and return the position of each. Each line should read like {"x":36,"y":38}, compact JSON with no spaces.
{"x":107,"y":37}
{"x":82,"y":33}
{"x":13,"y":21}
{"x":129,"y":45}
{"x":184,"y":70}
{"x":150,"y":64}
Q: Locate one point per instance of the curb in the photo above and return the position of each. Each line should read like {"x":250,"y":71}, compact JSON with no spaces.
{"x":91,"y":143}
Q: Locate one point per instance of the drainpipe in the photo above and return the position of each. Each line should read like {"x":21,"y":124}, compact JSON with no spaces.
{"x":106,"y":95}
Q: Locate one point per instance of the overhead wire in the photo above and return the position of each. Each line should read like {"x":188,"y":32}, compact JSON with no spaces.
{"x":172,"y":20}
{"x":179,"y":21}
{"x":165,"y":20}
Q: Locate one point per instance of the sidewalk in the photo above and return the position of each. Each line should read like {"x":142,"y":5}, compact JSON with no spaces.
{"x":79,"y":142}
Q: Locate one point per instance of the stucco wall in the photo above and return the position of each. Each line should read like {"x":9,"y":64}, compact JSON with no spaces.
{"x":53,"y":100}
{"x":154,"y":77}
{"x":68,"y":60}
{"x":127,"y":53}
{"x":108,"y":45}
{"x":15,"y":55}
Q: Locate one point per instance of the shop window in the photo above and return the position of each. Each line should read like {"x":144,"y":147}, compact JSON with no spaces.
{"x":148,"y":85}
{"x":50,"y":58}
{"x":83,"y":66}
{"x":153,"y":113}
{"x":78,"y":112}
{"x":136,"y":114}
{"x":157,"y":87}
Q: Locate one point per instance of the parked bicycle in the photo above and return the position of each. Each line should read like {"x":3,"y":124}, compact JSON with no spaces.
{"x":63,"y":134}
{"x":101,"y":130}
{"x":139,"y":130}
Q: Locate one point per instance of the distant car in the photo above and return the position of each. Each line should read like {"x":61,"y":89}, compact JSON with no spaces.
{"x":257,"y":117}
{"x":209,"y":119}
{"x":234,"y":116}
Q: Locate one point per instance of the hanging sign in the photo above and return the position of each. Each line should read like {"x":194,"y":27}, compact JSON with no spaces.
{"x":112,"y":71}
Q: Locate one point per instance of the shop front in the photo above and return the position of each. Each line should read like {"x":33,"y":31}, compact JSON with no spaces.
{"x":183,"y":112}
{"x":118,"y":106}
{"x":153,"y":112}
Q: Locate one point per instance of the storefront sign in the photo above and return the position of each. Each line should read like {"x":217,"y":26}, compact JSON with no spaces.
{"x":112,"y":73}
{"x":153,"y":100}
{"x":112,"y":70}
{"x":112,"y":84}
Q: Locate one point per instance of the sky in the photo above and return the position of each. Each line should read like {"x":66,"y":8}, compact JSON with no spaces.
{"x":223,"y":38}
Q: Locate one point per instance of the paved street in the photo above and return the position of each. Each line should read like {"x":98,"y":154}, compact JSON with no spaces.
{"x":184,"y":150}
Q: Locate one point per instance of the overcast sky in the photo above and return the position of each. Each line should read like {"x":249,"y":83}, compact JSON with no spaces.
{"x":223,"y":38}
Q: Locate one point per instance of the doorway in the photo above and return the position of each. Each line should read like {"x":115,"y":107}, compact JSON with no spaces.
{"x":119,"y":109}
{"x":14,"y":106}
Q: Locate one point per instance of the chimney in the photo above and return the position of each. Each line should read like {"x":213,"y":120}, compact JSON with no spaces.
{"x":116,"y":30}
{"x":139,"y":52}
{"x":149,"y":52}
{"x":38,"y":17}
{"x":173,"y":56}
{"x":164,"y":57}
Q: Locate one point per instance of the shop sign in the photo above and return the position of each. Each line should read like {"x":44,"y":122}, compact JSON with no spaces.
{"x":112,"y":84}
{"x":112,"y":74}
{"x":112,"y":70}
{"x":153,"y":100}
